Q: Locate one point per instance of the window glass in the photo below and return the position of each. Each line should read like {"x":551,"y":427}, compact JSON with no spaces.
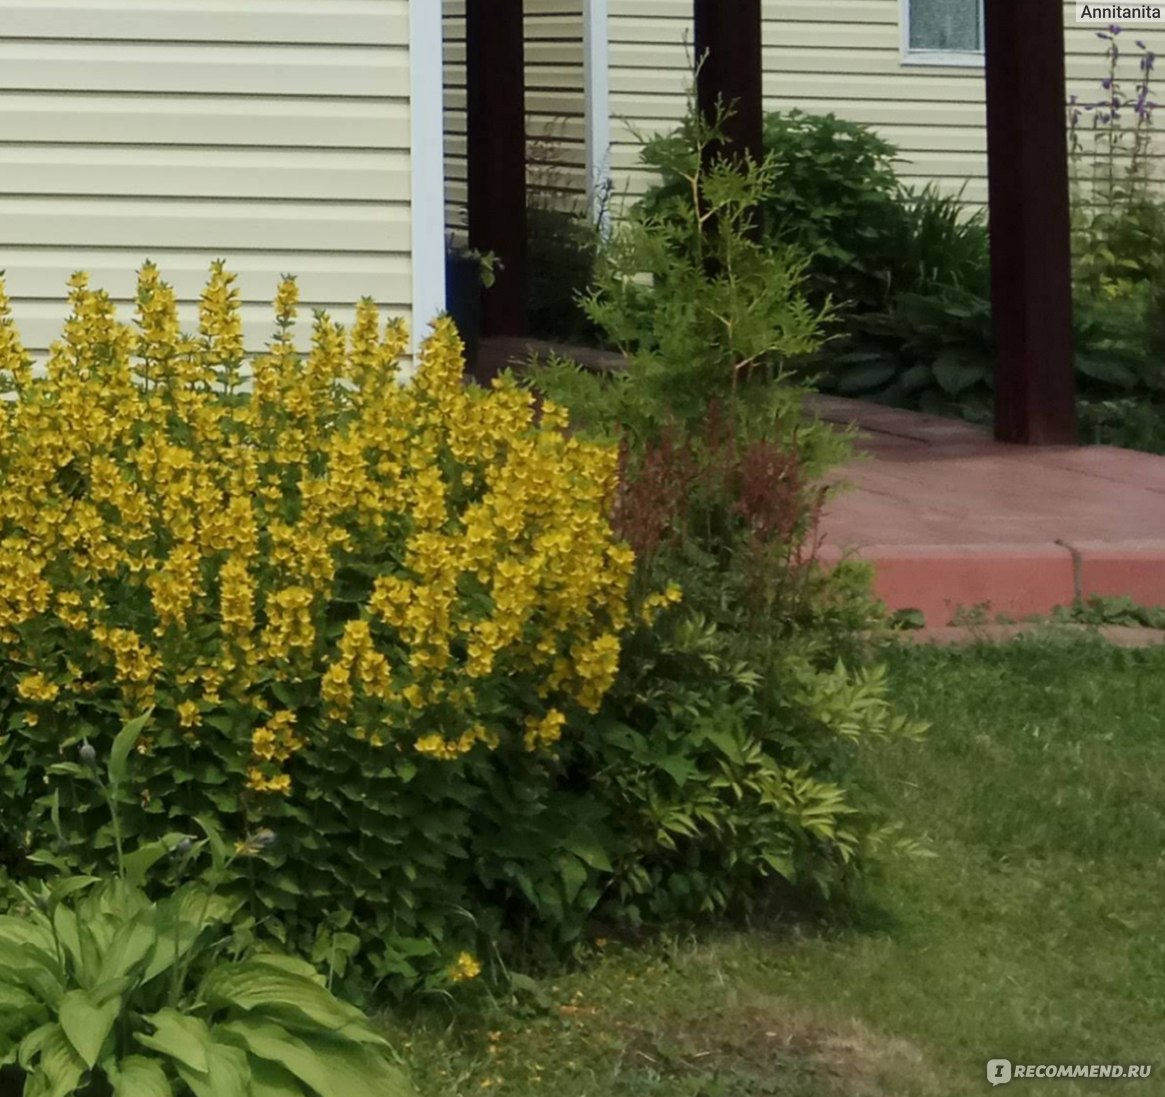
{"x":947,"y":26}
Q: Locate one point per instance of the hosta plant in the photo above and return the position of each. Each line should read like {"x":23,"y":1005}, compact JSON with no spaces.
{"x":106,"y":992}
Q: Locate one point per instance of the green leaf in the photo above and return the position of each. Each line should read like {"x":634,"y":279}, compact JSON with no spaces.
{"x":20,"y":1012}
{"x":21,"y":932}
{"x":69,"y":935}
{"x":574,"y":876}
{"x":916,"y":378}
{"x":137,"y":1076}
{"x":131,"y":945}
{"x":218,"y":848}
{"x":332,"y":1068}
{"x":124,"y":743}
{"x":71,"y":886}
{"x":1107,"y":370}
{"x":54,"y":1068}
{"x":271,"y":1080}
{"x":43,"y":857}
{"x":955,"y":374}
{"x":270,"y":989}
{"x":88,"y":1024}
{"x":185,"y":1039}
{"x":292,"y":964}
{"x":229,"y":1074}
{"x":867,"y":378}
{"x":138,"y":864}
{"x":70,"y":769}
{"x":588,"y":849}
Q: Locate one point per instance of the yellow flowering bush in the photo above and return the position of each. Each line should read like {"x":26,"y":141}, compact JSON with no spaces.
{"x":360,"y":610}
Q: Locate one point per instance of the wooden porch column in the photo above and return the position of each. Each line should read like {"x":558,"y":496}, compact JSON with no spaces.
{"x":729,"y":32}
{"x":1031,"y":255}
{"x":496,"y":118}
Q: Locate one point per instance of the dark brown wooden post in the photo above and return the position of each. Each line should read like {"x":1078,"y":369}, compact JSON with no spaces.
{"x":1031,"y":250}
{"x":496,"y":120}
{"x":728,"y":40}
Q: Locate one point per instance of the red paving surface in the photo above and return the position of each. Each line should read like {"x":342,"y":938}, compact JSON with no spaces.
{"x":951,"y":518}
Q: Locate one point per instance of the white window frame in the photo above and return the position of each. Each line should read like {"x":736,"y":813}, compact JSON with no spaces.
{"x":949,"y":58}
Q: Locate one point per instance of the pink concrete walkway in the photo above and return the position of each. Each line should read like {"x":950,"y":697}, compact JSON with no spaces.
{"x":951,"y":518}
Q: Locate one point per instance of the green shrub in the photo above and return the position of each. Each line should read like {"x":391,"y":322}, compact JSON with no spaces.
{"x":109,"y":993}
{"x":700,"y":306}
{"x":563,"y":246}
{"x":832,"y":193}
{"x":722,"y":747}
{"x":943,"y":245}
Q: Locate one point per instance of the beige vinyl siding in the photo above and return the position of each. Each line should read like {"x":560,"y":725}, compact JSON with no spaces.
{"x":456,"y":171}
{"x":650,"y":48}
{"x":556,"y":103}
{"x":846,"y":59}
{"x":843,"y":57}
{"x":274,"y":134}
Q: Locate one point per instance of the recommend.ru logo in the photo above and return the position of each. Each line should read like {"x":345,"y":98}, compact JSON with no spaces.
{"x":1002,"y":1071}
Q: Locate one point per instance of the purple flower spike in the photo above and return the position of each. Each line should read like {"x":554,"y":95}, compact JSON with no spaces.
{"x":1114,"y":28}
{"x":1140,"y":45}
{"x":1106,"y":83}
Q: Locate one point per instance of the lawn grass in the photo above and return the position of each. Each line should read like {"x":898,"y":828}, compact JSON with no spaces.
{"x":1033,"y":932}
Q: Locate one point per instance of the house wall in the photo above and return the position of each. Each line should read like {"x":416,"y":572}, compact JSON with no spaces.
{"x":840,"y":56}
{"x":555,"y":105}
{"x":272,"y":133}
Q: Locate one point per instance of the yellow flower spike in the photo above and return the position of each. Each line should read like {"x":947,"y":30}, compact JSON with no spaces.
{"x":220,"y":321}
{"x":286,"y":304}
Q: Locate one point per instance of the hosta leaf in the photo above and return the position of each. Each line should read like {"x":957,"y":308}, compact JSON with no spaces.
{"x":30,"y":968}
{"x":130,"y":947}
{"x":266,"y":1040}
{"x":331,"y":1067}
{"x":193,"y":911}
{"x":185,"y":1039}
{"x":138,"y":864}
{"x":69,"y":936}
{"x":955,"y":374}
{"x":292,"y":964}
{"x":228,"y":1075}
{"x":916,"y":378}
{"x":1106,"y":369}
{"x":255,"y":985}
{"x":20,"y":1012}
{"x":20,"y":932}
{"x":71,"y":886}
{"x":270,"y":1080}
{"x":88,"y":1023}
{"x":137,"y":1076}
{"x":865,"y":378}
{"x":54,"y":1068}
